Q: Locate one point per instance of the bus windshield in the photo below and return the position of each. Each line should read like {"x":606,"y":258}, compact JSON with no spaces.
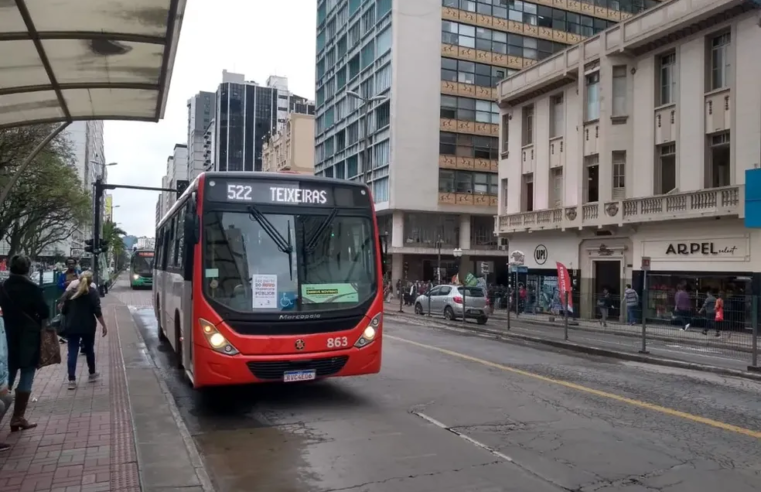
{"x":257,"y":262}
{"x":142,"y":263}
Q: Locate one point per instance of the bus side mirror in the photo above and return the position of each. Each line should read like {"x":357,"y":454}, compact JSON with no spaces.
{"x":384,"y":252}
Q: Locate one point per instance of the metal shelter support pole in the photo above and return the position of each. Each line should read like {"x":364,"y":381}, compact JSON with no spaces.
{"x":644,"y":313}
{"x":565,"y":316}
{"x":28,"y":160}
{"x":754,"y":340}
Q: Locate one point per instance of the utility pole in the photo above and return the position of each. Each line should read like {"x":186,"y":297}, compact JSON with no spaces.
{"x":98,"y":245}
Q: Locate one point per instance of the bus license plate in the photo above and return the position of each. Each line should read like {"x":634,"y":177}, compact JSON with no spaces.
{"x":294,"y":376}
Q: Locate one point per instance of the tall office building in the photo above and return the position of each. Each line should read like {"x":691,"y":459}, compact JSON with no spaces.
{"x":427,"y":71}
{"x":245,"y":113}
{"x":200,"y":113}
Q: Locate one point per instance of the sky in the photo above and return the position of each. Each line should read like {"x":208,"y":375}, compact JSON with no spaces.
{"x":257,"y":38}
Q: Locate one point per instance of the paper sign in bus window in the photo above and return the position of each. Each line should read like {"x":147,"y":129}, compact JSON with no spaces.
{"x":265,"y":292}
{"x":327,"y":293}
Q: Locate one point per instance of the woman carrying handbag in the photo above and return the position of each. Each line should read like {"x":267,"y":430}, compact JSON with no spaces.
{"x":82,"y":311}
{"x":25,"y":313}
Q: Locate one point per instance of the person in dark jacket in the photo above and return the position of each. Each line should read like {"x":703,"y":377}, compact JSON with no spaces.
{"x":82,"y":311}
{"x":24,"y":312}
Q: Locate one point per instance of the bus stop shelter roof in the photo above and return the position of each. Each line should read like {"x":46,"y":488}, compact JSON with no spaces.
{"x":68,"y":60}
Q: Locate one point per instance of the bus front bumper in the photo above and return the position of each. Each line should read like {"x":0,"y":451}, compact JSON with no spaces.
{"x":141,"y":282}
{"x":215,"y":369}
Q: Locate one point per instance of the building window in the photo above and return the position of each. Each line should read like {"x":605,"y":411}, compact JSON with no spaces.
{"x":467,"y":182}
{"x":380,"y":190}
{"x":619,"y":174}
{"x":557,"y":118}
{"x":447,"y":143}
{"x":720,"y":61}
{"x":718,"y":172}
{"x":527,"y":193}
{"x":619,"y":90}
{"x":527,"y":118}
{"x":467,"y":109}
{"x":446,"y":181}
{"x":505,"y":132}
{"x":556,"y":187}
{"x":352,"y":166}
{"x":667,"y":82}
{"x":500,"y":42}
{"x":665,"y":171}
{"x":592,"y":178}
{"x":471,"y":73}
{"x":592,"y":109}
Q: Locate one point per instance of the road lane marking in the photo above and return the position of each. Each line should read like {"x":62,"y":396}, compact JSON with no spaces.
{"x":584,"y":389}
{"x":479,"y":444}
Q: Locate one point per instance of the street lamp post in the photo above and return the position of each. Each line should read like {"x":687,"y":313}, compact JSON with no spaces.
{"x":458,"y":255}
{"x":366,"y":140}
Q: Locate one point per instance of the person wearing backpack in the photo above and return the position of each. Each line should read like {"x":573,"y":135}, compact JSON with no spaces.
{"x":632,"y":301}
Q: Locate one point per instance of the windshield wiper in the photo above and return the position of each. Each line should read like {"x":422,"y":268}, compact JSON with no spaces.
{"x":324,"y":225}
{"x":282,"y":243}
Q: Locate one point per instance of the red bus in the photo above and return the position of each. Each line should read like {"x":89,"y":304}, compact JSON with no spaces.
{"x":263,"y":277}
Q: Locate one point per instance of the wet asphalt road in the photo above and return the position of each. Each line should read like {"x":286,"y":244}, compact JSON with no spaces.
{"x":449,"y":412}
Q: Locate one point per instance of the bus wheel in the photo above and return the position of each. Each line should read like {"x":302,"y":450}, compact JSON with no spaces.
{"x":178,"y":343}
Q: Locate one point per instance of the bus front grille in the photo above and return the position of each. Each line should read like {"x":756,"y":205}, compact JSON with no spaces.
{"x":274,"y":370}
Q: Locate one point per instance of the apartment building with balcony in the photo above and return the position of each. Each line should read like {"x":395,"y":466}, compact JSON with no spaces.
{"x":633,"y":145}
{"x":433,"y":153}
{"x":291,"y":148}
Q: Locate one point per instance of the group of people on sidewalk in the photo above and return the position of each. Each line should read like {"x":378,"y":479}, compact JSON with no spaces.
{"x":24,"y":315}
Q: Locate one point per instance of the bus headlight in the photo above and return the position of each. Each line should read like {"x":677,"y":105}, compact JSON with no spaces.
{"x":135,"y":277}
{"x":368,"y":336}
{"x":215,"y":339}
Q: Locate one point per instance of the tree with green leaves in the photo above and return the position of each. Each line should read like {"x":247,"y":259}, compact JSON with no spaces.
{"x":45,"y":205}
{"x":115,"y":237}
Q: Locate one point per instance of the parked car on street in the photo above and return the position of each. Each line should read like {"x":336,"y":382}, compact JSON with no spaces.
{"x":447,"y":301}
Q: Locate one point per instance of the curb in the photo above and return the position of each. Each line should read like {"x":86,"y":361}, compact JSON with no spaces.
{"x":586,"y":349}
{"x":576,"y":327}
{"x":190,"y":447}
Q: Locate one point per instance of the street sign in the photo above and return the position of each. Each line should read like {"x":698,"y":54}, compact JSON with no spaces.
{"x":485,"y":268}
{"x":518,"y":269}
{"x":645,"y":263}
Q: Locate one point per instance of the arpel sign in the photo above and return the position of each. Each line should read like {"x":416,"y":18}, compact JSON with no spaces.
{"x":703,"y":248}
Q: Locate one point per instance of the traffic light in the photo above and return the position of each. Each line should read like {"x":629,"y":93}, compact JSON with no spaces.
{"x":182,"y":185}
{"x":103,"y":245}
{"x":88,"y":246}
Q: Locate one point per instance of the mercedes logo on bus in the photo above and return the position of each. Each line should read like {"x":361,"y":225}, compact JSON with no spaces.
{"x":300,"y":344}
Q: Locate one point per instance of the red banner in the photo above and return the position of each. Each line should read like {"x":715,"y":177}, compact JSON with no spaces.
{"x":564,"y":285}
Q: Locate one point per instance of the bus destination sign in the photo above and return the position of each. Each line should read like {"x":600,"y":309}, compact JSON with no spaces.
{"x":286,"y":193}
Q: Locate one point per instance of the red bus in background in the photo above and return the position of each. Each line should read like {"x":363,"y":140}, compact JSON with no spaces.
{"x":263,"y":277}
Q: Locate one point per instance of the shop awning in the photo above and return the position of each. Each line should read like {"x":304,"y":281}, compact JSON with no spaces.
{"x":68,"y":60}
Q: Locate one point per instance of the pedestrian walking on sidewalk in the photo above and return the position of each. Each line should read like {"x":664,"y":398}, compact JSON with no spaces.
{"x":682,"y":306}
{"x":5,"y":394}
{"x":83,"y":312}
{"x":719,"y":316}
{"x":709,"y":310}
{"x":24,"y":312}
{"x":604,"y":303}
{"x":632,"y":301}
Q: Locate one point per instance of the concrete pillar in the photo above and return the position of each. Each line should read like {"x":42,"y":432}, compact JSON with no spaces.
{"x":464,"y":231}
{"x":397,"y":231}
{"x":397,"y":267}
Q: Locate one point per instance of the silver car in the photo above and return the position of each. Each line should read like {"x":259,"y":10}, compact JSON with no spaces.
{"x":447,"y":300}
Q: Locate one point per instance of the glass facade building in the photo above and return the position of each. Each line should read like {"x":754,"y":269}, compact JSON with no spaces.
{"x":245,"y":114}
